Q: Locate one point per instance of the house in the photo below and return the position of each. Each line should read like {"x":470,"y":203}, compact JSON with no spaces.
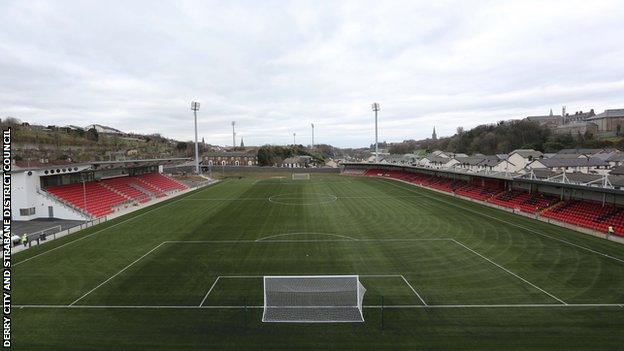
{"x":578,"y":116}
{"x":439,"y":153}
{"x":331,"y":163}
{"x":610,"y":121}
{"x":103,"y":129}
{"x":438,"y":162}
{"x":568,"y":165}
{"x":469,"y":163}
{"x":71,"y":127}
{"x":619,"y":170}
{"x":505,"y":166}
{"x":231,"y":158}
{"x":575,"y":128}
{"x":406,"y":159}
{"x":550,"y":120}
{"x":584,"y":151}
{"x":522,"y":157}
{"x":616,"y":159}
{"x":297,"y":162}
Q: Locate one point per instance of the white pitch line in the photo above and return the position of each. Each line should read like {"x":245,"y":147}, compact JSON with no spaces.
{"x":306,"y":233}
{"x":333,"y":198}
{"x":557,"y":305}
{"x":414,"y":290}
{"x":510,"y":272}
{"x":551,"y":305}
{"x":302,"y":241}
{"x":183,"y":197}
{"x":116,"y":274}
{"x":510,"y":223}
{"x":208,"y":293}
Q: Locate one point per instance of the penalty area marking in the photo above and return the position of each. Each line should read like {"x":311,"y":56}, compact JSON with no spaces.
{"x":214,"y":242}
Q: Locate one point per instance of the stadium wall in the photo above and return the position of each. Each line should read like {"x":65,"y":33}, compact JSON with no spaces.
{"x":28,"y":202}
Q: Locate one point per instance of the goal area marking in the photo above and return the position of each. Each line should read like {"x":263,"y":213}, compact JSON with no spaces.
{"x":221,"y":278}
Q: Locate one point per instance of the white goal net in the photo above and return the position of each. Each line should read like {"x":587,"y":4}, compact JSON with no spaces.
{"x":313,"y":299}
{"x":301,"y":176}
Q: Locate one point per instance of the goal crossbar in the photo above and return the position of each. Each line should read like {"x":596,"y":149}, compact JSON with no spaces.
{"x":301,"y":176}
{"x":313,"y":299}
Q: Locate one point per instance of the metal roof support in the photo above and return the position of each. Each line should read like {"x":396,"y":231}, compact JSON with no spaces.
{"x":561,"y":178}
{"x":604,"y":182}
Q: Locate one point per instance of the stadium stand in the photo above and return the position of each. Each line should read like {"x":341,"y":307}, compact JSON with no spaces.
{"x":161,"y":182}
{"x":103,"y":197}
{"x":96,"y":199}
{"x":122,"y":185}
{"x":587,"y":214}
{"x":524,"y":201}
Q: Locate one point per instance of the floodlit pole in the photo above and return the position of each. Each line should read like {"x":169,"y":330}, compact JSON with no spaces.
{"x":233,"y":135}
{"x":376,"y":109}
{"x":195,"y":108}
{"x":312,"y":124}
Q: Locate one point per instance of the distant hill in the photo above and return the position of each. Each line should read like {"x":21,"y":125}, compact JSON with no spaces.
{"x":72,"y":143}
{"x":506,"y":136}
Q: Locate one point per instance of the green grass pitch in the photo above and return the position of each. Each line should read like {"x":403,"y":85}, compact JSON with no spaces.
{"x":186,"y":273}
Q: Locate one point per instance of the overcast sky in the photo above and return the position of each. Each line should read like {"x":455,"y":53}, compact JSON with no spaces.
{"x":276,"y":66}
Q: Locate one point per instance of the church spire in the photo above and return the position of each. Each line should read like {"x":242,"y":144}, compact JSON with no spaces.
{"x":434,"y":136}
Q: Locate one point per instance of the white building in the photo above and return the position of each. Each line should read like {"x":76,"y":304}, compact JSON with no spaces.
{"x":103,"y":129}
{"x":521,"y":158}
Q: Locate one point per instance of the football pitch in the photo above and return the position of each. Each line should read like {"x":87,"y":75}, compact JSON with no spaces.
{"x":439,"y":273}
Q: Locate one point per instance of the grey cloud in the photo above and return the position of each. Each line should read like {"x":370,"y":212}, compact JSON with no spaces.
{"x":277,"y":66}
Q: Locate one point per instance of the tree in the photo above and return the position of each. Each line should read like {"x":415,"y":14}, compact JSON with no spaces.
{"x":92,"y":135}
{"x":181,"y":146}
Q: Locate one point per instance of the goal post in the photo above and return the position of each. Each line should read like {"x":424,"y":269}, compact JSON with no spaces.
{"x":313,"y":299}
{"x":301,"y":176}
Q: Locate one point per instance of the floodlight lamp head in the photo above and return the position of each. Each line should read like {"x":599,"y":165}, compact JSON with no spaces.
{"x":375,"y":106}
{"x":194,"y":106}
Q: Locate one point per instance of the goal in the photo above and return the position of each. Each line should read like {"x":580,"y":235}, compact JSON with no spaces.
{"x":313,"y":299}
{"x":301,"y":176}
